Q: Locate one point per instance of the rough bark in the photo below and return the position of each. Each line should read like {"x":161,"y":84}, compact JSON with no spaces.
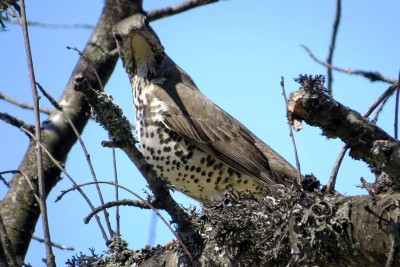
{"x":19,"y":208}
{"x":365,"y":139}
{"x":290,"y":229}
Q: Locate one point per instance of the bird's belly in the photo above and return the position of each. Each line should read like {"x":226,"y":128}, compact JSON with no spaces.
{"x":189,"y":169}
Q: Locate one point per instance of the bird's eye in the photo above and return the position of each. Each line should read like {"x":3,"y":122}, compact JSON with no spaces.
{"x":118,"y":38}
{"x":146,"y":23}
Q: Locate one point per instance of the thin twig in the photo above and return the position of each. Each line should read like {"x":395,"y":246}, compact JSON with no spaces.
{"x":73,"y":182}
{"x":332,"y":179}
{"x":117,"y":217}
{"x":145,"y":202}
{"x":87,"y":155}
{"x":118,"y":203}
{"x":5,"y":172}
{"x":15,"y":122}
{"x":178,"y":8}
{"x":23,"y":105}
{"x":89,"y":62}
{"x":291,"y":131}
{"x":53,"y":25}
{"x":56,"y":245}
{"x":380,"y":109}
{"x":50,"y":258}
{"x":6,"y":245}
{"x":396,"y":110}
{"x":32,"y":186}
{"x":332,"y":46}
{"x":372,"y":76}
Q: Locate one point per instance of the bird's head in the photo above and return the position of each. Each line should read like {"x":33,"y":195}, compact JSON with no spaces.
{"x":138,"y":45}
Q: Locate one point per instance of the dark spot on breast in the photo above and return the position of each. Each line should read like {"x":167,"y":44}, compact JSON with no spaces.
{"x":196,"y":180}
{"x":187,"y":167}
{"x":198,"y":169}
{"x":189,"y":155}
{"x":208,"y":180}
{"x":178,"y":153}
{"x":192,"y":168}
{"x":218,"y":180}
{"x":202,"y":160}
{"x":151,"y":134}
{"x":245,"y":181}
{"x":231,"y":172}
{"x":210,"y":174}
{"x":203,"y":173}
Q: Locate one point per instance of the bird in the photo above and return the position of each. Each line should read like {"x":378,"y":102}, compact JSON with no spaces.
{"x":190,"y":142}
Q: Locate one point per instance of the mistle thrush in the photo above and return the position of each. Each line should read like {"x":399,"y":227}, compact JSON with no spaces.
{"x":190,"y":141}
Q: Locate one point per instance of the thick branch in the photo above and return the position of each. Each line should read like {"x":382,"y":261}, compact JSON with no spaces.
{"x":366,"y":141}
{"x":19,"y":208}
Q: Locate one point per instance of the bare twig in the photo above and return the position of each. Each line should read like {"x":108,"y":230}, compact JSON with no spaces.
{"x":23,"y":105}
{"x":15,"y":122}
{"x":396,"y":110}
{"x":291,"y":131}
{"x":332,"y":45}
{"x":335,"y":170}
{"x":380,"y":109}
{"x":5,"y":172}
{"x":372,"y":76}
{"x":73,"y":182}
{"x":89,"y":62}
{"x":143,"y":201}
{"x":118,"y":203}
{"x":6,"y":245}
{"x":50,"y":259}
{"x":330,"y":188}
{"x":34,"y":188}
{"x":178,"y":8}
{"x":117,"y":217}
{"x":87,"y":155}
{"x":56,"y":245}
{"x":54,"y":25}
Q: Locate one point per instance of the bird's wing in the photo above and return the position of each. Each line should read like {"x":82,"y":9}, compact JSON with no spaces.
{"x":213,"y":130}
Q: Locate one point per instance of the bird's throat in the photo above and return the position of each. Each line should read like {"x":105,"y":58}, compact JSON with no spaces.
{"x":145,"y":58}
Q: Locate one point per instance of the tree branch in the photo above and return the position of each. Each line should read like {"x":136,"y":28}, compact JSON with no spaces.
{"x":366,"y":141}
{"x":179,"y":8}
{"x":332,"y":45}
{"x":372,"y":76}
{"x":23,"y":105}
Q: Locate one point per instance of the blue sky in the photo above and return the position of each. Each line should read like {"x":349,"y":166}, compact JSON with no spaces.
{"x":236,"y":51}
